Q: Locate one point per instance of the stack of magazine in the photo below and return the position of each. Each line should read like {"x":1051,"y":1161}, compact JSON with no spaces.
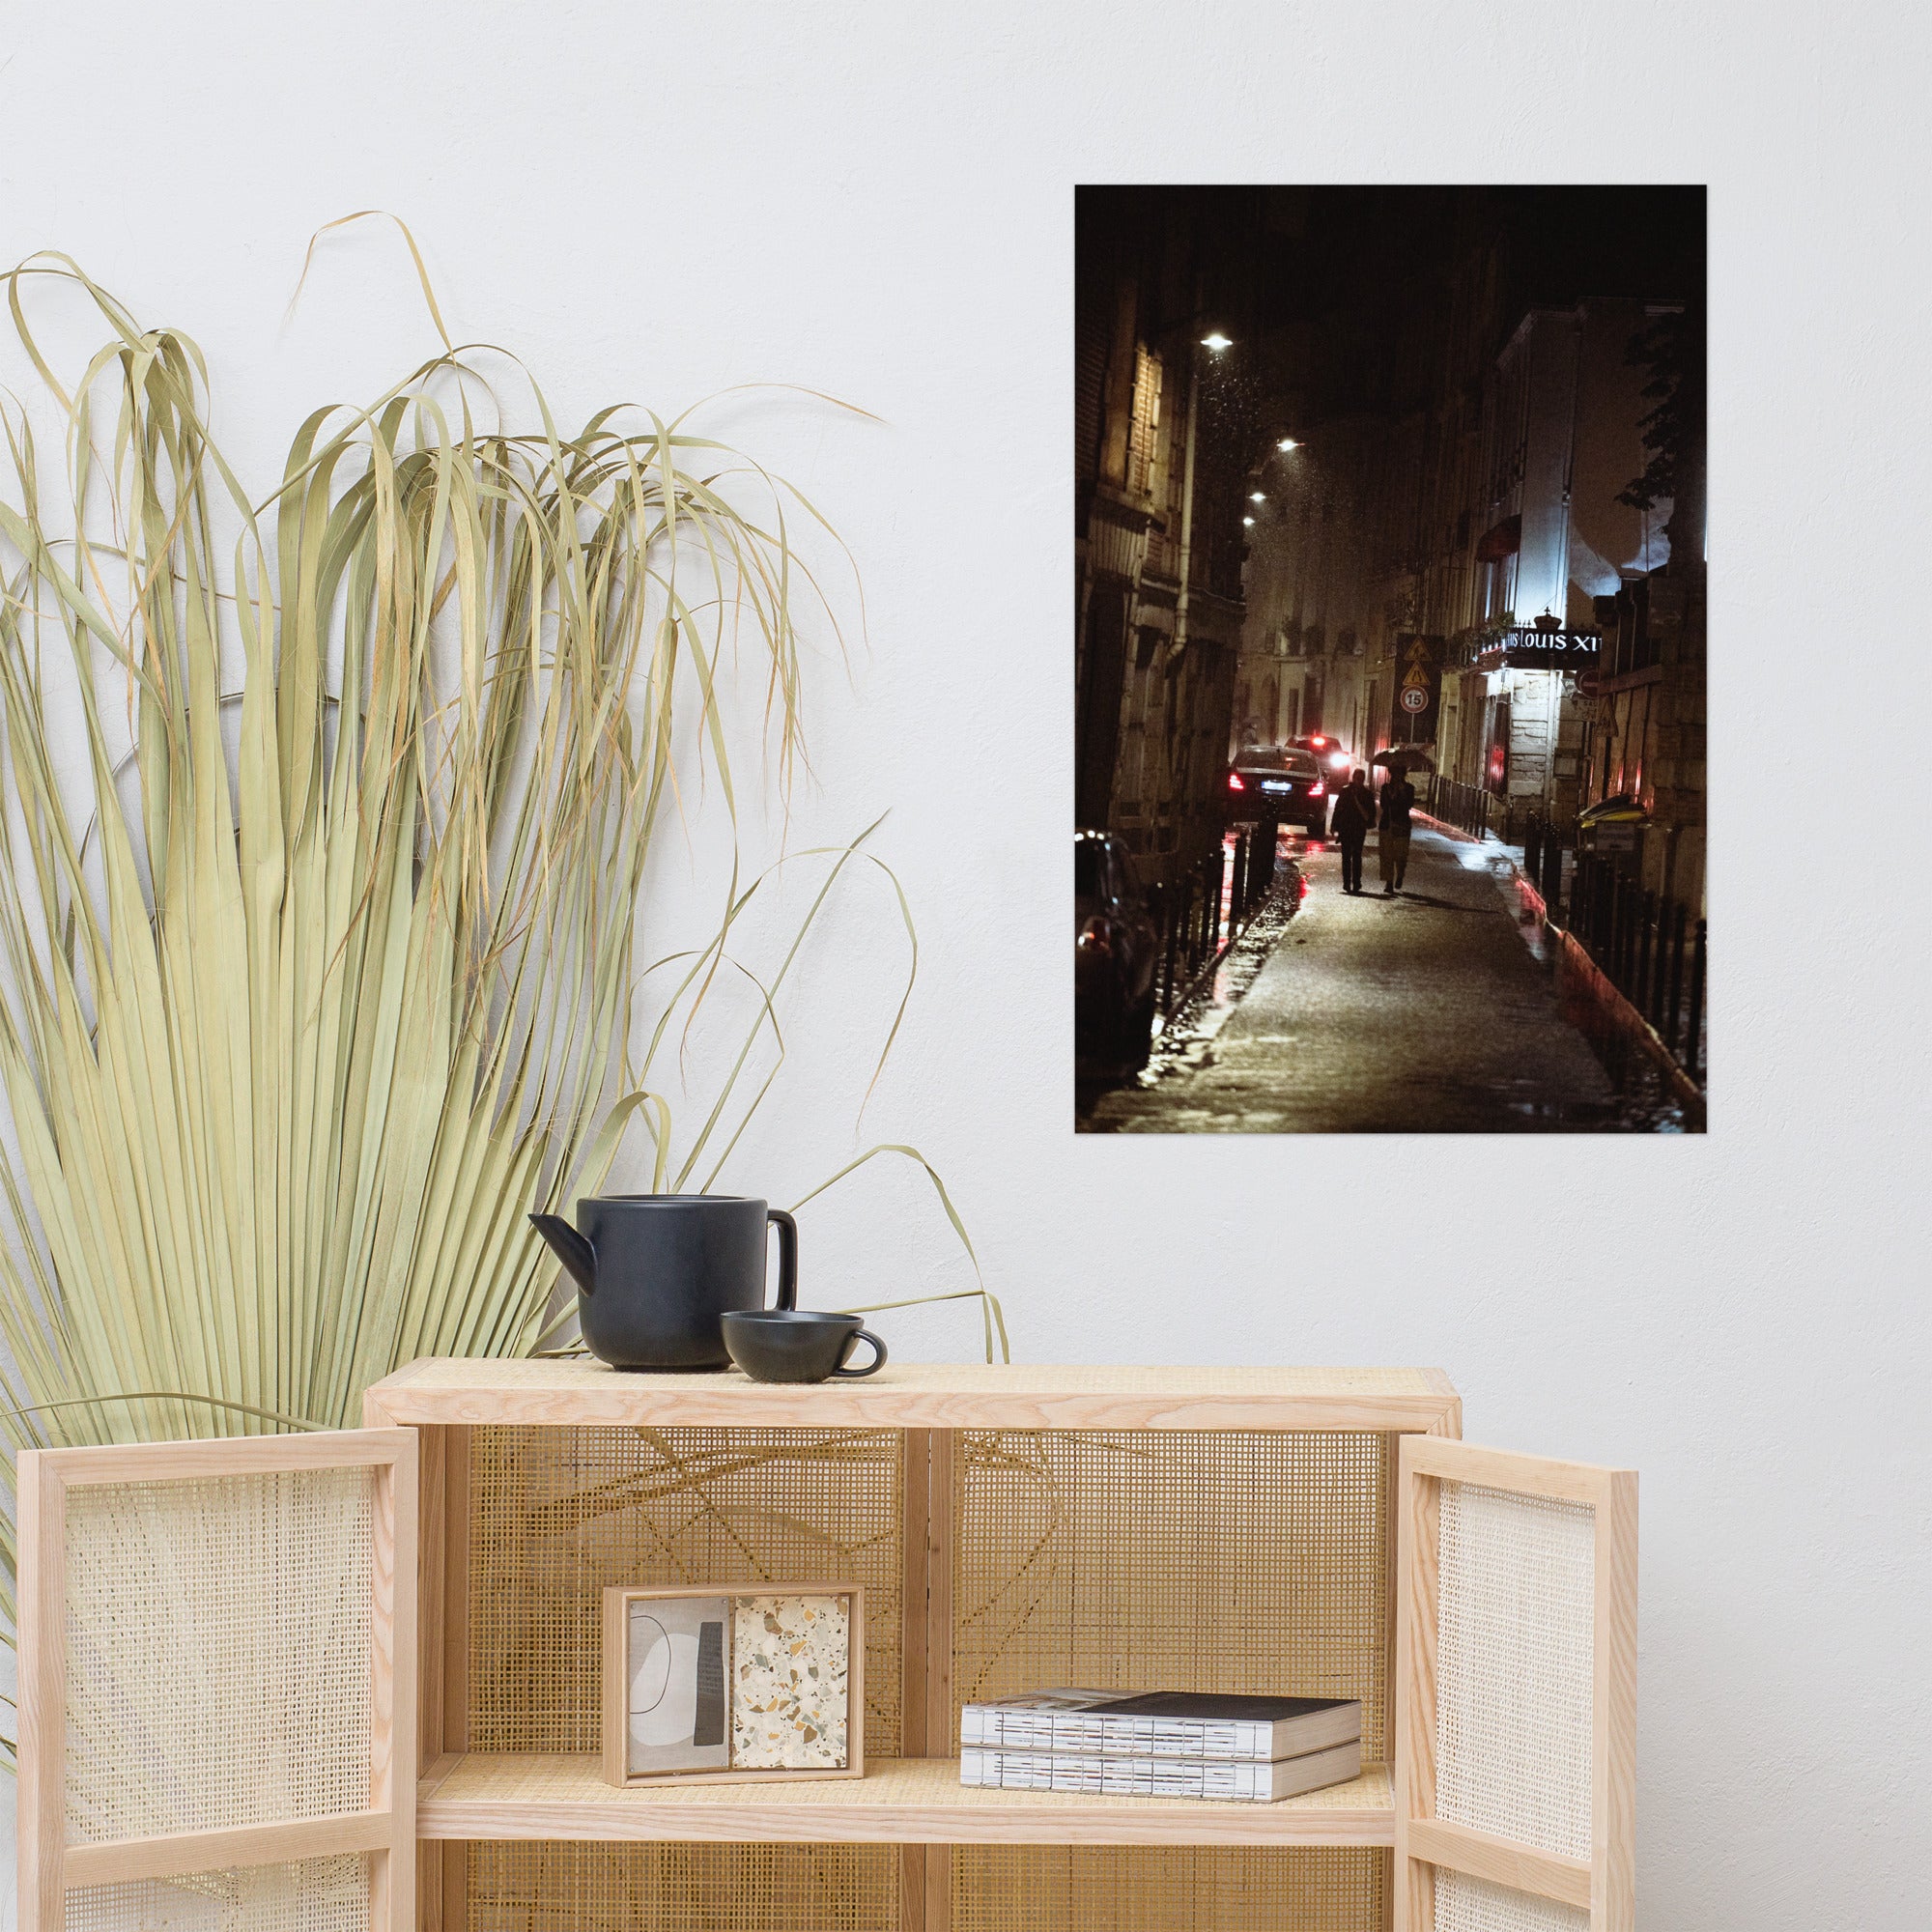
{"x":1164,"y":1743}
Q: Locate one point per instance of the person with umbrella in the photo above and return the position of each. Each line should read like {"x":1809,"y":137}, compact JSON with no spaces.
{"x":1398,"y":801}
{"x":1354,"y":814}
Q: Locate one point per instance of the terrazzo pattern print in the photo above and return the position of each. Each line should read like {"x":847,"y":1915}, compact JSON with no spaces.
{"x":790,"y":1657}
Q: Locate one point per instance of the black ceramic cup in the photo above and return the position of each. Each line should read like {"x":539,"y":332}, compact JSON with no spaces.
{"x":792,"y":1345}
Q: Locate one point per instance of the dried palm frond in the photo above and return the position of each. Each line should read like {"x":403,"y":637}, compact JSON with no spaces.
{"x":319,"y":974}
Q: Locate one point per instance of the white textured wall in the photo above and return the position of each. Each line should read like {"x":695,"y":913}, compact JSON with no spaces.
{"x":876,"y":201}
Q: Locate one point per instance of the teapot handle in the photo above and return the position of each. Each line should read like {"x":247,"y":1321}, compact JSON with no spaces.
{"x":787,"y":1256}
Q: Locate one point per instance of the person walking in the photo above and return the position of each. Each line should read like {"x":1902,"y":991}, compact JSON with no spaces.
{"x":1392,"y":840}
{"x":1354,"y":814}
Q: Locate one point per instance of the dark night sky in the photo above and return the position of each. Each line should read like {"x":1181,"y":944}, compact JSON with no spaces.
{"x":1348,"y":281}
{"x":1561,"y":242}
{"x":1375,"y":273}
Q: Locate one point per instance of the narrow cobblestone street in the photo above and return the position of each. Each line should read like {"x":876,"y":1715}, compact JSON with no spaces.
{"x":1428,"y":1011}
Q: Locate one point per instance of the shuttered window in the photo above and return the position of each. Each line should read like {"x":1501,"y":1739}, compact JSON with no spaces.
{"x":1146,"y":422}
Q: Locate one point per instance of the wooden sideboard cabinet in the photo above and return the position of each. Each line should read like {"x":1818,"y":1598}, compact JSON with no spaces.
{"x":349,"y":1680}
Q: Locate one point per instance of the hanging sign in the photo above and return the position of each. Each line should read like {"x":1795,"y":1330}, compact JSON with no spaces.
{"x":1418,"y":688}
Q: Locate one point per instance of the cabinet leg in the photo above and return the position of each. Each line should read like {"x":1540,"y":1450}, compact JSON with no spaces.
{"x":938,"y":1889}
{"x":912,"y":1888}
{"x":925,"y":1684}
{"x":443,"y":1872}
{"x":925,"y":1889}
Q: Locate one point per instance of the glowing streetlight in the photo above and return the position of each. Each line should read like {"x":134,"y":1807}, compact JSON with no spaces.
{"x":1249,"y":521}
{"x":1256,"y":496}
{"x":1286,"y":443}
{"x":1213,"y":342}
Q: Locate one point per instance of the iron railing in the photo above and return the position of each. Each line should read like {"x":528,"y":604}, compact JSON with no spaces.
{"x":1473,"y":810}
{"x":1203,"y":909}
{"x":1648,"y":947}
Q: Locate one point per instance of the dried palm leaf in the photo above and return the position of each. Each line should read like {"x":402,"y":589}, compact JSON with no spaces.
{"x":321,"y":973}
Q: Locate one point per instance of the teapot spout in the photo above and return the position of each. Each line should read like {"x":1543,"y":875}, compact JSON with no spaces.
{"x":570,"y":1248}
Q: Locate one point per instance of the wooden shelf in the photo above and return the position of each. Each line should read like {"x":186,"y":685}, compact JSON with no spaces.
{"x":580,"y":1391}
{"x":898,"y":1801}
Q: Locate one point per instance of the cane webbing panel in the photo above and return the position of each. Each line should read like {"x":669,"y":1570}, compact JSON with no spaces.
{"x":558,"y":1513}
{"x":1464,"y":1904}
{"x":217,"y":1652}
{"x":313,"y":1895}
{"x":1111,"y":1889}
{"x":530,"y":1886}
{"x":1514,"y":1667}
{"x":1177,"y":1560}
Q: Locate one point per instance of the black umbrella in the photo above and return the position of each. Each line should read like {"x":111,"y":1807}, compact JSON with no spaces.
{"x":1403,"y":757}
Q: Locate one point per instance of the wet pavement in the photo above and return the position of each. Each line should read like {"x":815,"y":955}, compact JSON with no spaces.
{"x":1429,"y":1012}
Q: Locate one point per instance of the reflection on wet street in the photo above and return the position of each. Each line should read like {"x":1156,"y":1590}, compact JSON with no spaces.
{"x":1433,"y":1010}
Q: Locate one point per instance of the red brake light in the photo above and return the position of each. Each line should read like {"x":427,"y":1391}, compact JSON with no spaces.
{"x":1318,"y":789}
{"x":1234,"y":781}
{"x":1317,"y":741}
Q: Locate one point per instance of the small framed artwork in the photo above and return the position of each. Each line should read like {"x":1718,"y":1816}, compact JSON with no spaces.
{"x":747,"y":1684}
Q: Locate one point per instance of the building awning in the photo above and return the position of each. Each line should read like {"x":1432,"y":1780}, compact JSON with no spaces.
{"x":1500,"y":540}
{"x":1621,"y":809}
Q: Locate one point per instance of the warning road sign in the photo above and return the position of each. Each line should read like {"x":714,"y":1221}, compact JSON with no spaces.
{"x":1418,"y":691}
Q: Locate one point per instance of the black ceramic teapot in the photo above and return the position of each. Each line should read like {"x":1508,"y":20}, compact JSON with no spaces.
{"x":655,"y":1272}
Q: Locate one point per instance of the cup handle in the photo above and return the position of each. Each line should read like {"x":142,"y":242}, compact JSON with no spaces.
{"x":787,"y":1256}
{"x":872,"y":1367}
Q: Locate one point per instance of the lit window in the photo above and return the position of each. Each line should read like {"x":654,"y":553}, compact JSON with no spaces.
{"x":1144,"y":422}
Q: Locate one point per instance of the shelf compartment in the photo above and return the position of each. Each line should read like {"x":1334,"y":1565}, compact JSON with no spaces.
{"x":557,"y":1516}
{"x":1170,"y":1888}
{"x":900,"y":1802}
{"x":1173,"y":1559}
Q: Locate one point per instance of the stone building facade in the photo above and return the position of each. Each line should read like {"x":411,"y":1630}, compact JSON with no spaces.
{"x":1158,"y":551}
{"x":1480,"y":505}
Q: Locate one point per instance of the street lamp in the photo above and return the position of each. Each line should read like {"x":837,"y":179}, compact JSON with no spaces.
{"x":1215,"y":342}
{"x":1286,"y":443}
{"x":1249,"y":521}
{"x":1256,"y":496}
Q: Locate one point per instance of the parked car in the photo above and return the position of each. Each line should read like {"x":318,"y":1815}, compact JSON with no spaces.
{"x":1281,"y":782}
{"x":1116,"y":952}
{"x":1334,"y":757}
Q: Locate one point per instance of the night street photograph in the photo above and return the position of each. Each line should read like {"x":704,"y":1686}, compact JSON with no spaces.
{"x":1389,"y":772}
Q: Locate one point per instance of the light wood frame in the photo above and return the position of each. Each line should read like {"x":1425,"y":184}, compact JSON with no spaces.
{"x":385,"y":1830}
{"x":615,"y":1726}
{"x":581,"y":1393}
{"x":1602,"y":1885}
{"x":921,"y":1805}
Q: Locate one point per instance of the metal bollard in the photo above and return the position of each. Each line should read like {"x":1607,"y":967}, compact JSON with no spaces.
{"x":1674,"y":1010}
{"x":1169,"y":920}
{"x":1693,"y":1044}
{"x":1646,"y":922}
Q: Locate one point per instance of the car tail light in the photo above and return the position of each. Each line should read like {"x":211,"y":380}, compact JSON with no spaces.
{"x":1318,"y":789}
{"x":1317,"y":741}
{"x":1094,"y":939}
{"x":1234,"y":781}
